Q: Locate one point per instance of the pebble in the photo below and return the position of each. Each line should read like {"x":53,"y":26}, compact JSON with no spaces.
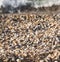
{"x":30,"y":37}
{"x":18,"y":60}
{"x":1,"y":60}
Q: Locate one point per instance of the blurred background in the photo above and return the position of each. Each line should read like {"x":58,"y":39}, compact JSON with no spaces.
{"x":13,"y":5}
{"x":35,"y":3}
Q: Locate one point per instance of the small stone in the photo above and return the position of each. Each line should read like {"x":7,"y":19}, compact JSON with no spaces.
{"x":18,"y":60}
{"x":1,"y":60}
{"x":58,"y":37}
